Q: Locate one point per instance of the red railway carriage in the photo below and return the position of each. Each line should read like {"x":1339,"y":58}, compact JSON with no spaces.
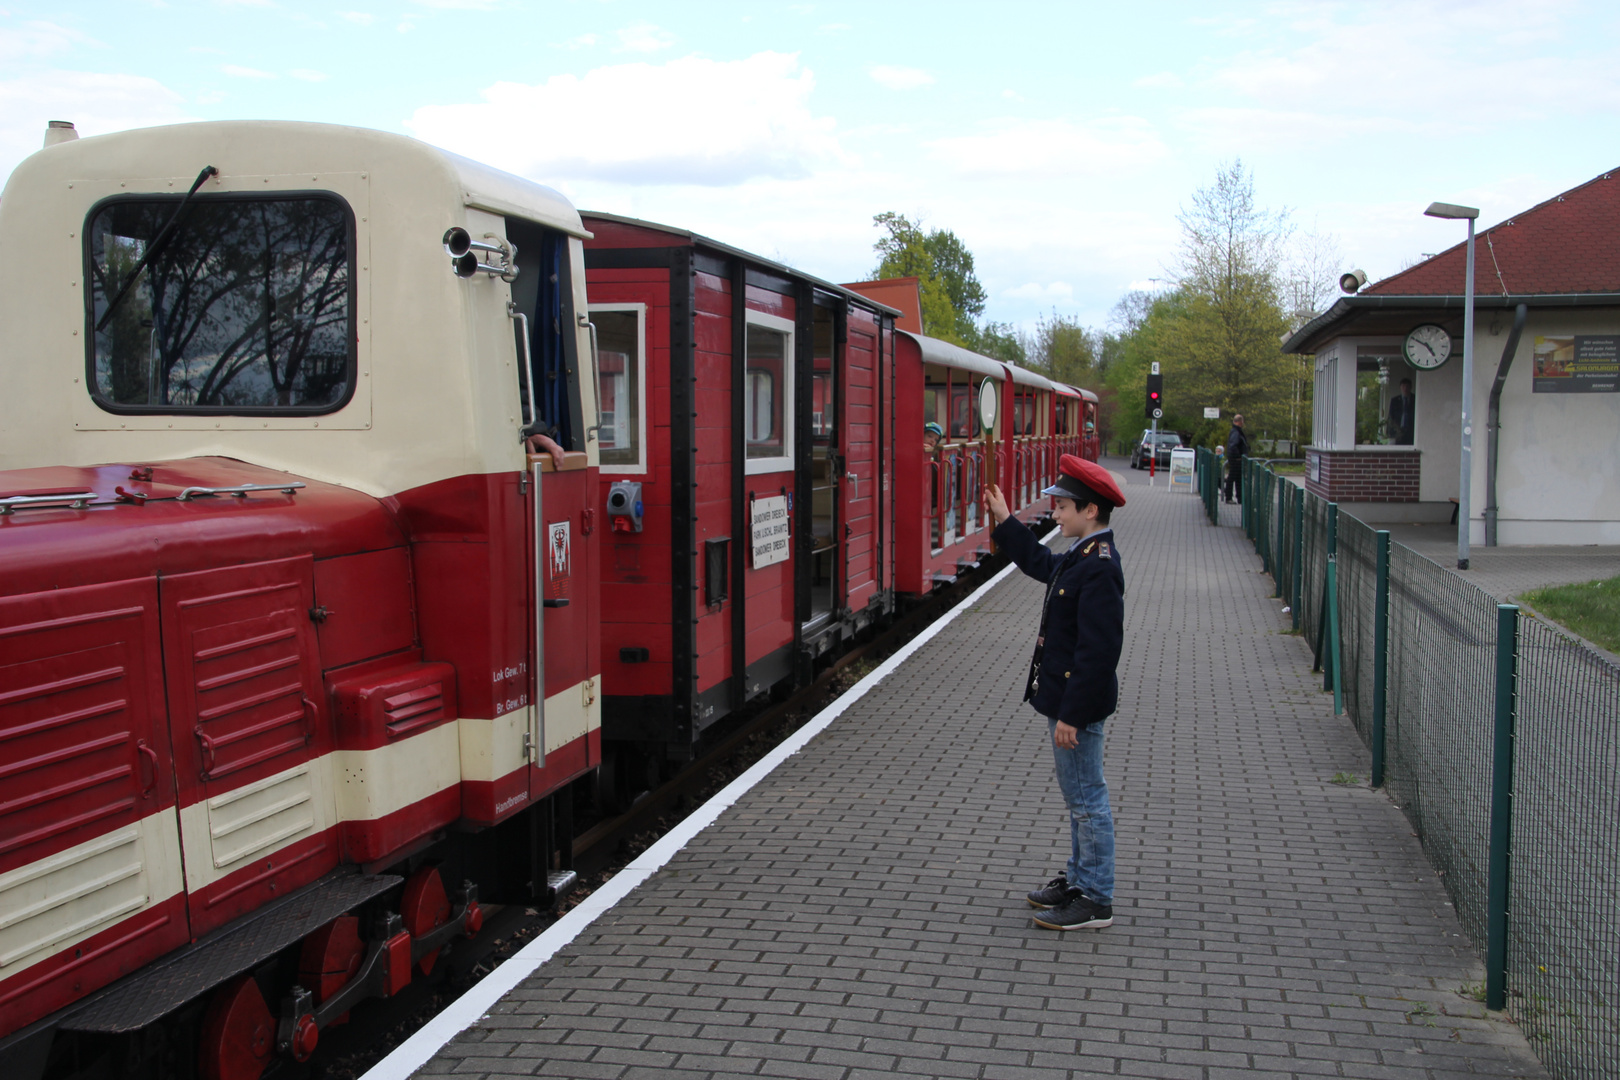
{"x":941,"y":526}
{"x":296,"y":637}
{"x":745,"y":459}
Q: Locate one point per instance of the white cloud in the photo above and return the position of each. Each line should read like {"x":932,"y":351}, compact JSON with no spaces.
{"x":307,"y":75}
{"x":405,"y":27}
{"x":644,"y":37}
{"x":1163,"y":80}
{"x":359,"y":18}
{"x":37,"y":39}
{"x":1056,"y":292}
{"x":900,"y":78}
{"x":1014,"y":146}
{"x":96,"y":103}
{"x":583,"y":41}
{"x":460,"y":5}
{"x":237,"y":71}
{"x":769,"y":130}
{"x":1427,"y":64}
{"x":1012,"y":95}
{"x":833,"y":27}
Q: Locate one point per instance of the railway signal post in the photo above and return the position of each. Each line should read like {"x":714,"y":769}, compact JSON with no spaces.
{"x":1155,"y":410}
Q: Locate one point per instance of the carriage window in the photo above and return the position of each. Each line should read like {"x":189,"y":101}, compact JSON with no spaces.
{"x":245,"y":306}
{"x":768,"y":404}
{"x":620,"y":386}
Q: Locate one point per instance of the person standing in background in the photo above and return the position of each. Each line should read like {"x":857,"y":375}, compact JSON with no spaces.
{"x":1237,"y":448}
{"x":1401,"y":415}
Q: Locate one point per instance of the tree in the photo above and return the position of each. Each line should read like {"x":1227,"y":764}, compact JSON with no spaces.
{"x":952,"y":298}
{"x":1219,"y":341}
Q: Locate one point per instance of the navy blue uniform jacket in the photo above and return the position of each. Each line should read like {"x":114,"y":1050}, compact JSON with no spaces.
{"x":1073,"y":674}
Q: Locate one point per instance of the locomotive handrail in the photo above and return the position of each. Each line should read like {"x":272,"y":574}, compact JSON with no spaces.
{"x":240,"y":491}
{"x":77,"y":500}
{"x":528,"y":368}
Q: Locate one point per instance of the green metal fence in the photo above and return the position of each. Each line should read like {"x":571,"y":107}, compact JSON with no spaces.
{"x":1207,"y":472}
{"x":1499,"y":737}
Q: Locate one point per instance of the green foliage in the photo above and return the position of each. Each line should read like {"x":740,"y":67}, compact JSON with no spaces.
{"x":952,"y":298}
{"x":1000,"y":340}
{"x":1217,"y":334}
{"x":1591,"y":610}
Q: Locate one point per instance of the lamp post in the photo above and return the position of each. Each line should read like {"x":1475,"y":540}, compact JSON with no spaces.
{"x":1465,"y":481}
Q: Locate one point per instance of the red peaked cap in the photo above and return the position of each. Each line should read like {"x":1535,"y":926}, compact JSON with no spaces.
{"x":1086,"y":480}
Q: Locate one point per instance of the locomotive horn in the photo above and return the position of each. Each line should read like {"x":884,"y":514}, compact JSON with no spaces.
{"x":458,"y":242}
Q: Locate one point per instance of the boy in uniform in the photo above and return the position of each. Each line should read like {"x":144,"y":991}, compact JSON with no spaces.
{"x":1072,"y":677}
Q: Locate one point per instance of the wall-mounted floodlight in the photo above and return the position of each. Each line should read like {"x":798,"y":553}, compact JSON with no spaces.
{"x":464,"y":261}
{"x":1352,"y":281}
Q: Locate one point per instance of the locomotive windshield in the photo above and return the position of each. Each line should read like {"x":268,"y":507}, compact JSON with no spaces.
{"x":246,"y":308}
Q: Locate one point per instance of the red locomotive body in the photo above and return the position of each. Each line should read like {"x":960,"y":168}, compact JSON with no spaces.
{"x":314,"y":662}
{"x":745,"y":460}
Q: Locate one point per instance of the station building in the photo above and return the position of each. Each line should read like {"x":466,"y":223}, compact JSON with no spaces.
{"x":1546,"y":408}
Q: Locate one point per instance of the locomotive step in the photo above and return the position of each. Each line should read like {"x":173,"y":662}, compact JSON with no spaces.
{"x":149,"y":995}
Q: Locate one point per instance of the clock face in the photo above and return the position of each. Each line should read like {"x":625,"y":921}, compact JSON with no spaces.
{"x":1428,"y":346}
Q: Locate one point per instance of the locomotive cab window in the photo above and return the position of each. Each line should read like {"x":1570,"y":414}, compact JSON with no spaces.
{"x":621,"y":384}
{"x":544,"y":292}
{"x":768,"y":394}
{"x":237,"y":305}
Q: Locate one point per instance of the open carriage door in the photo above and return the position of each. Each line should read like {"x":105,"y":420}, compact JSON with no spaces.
{"x":825,"y":477}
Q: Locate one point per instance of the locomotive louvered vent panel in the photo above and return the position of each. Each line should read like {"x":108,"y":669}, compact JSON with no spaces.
{"x":248,"y":675}
{"x":414,"y":709}
{"x":67,"y":896}
{"x":261,"y":816}
{"x":72,"y":714}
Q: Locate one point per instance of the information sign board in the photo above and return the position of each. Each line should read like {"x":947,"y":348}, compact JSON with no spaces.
{"x":1183,"y":461}
{"x":1578,"y":364}
{"x":771,"y":530}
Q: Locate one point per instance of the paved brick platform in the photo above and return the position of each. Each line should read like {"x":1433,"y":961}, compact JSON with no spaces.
{"x":860,"y":913}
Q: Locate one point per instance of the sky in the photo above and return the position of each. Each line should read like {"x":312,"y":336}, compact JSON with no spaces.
{"x":1058,"y":141}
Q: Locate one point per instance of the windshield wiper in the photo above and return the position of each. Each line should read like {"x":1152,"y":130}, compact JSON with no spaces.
{"x":158,"y":243}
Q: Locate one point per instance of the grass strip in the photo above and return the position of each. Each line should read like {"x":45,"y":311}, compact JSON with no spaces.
{"x":1590,"y":609}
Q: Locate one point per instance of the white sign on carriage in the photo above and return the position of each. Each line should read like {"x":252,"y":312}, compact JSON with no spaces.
{"x":771,"y":528}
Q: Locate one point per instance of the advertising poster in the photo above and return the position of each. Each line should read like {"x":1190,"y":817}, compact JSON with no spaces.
{"x":1578,"y":364}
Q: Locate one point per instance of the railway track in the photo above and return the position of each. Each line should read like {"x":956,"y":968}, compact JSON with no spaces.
{"x":609,"y":844}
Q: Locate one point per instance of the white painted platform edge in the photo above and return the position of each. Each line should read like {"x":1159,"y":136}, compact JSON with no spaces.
{"x":475,"y":1004}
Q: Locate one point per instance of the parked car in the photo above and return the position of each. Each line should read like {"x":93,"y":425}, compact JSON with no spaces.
{"x":1167,"y":441}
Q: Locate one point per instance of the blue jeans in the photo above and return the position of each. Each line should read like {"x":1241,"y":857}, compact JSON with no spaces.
{"x":1091,"y":822}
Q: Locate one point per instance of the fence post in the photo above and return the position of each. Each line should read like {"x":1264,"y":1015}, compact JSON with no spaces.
{"x":1380,"y":658}
{"x":1299,"y":553}
{"x":1496,"y":887}
{"x":1281,"y":512}
{"x":1324,"y":623}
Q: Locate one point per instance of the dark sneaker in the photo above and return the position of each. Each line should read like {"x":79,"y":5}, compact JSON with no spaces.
{"x":1054,"y":892}
{"x":1077,"y":913}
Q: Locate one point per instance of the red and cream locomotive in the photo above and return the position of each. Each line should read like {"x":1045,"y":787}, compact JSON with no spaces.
{"x":359,"y":505}
{"x":287,"y":605}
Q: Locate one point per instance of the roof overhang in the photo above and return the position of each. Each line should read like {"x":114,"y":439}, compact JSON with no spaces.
{"x":1374,"y":314}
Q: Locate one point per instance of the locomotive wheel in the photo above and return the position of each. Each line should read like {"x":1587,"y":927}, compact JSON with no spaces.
{"x":238,"y":1033}
{"x":330,"y":957}
{"x":425,"y":906}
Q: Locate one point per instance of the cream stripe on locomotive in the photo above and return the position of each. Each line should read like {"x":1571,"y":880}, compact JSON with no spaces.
{"x":66,"y":898}
{"x":492,"y":749}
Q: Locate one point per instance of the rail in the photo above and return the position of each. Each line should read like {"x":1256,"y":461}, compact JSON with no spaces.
{"x":1496,"y":733}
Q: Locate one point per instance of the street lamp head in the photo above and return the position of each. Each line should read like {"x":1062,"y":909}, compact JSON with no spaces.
{"x":1451,"y":210}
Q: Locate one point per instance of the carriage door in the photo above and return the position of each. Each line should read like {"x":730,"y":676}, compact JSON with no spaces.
{"x":826,"y":471}
{"x":858,"y":429}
